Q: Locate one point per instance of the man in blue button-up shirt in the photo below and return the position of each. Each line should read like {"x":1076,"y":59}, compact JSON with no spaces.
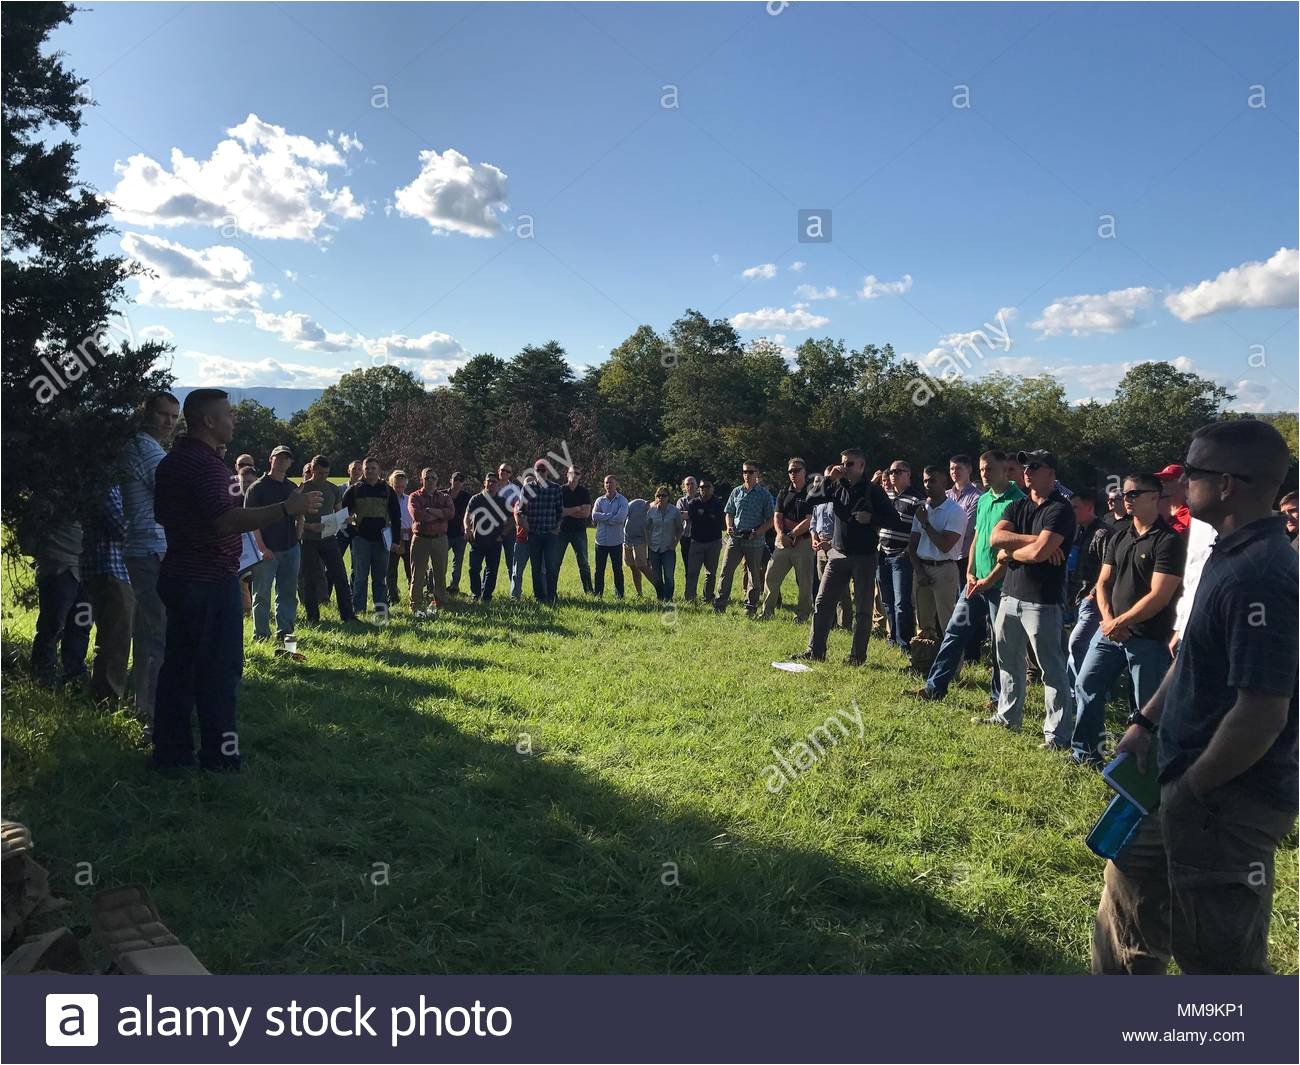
{"x":748,"y":513}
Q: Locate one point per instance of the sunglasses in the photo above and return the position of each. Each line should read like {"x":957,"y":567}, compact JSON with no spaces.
{"x":1190,"y":472}
{"x":747,"y":472}
{"x":1132,"y":494}
{"x":795,"y":469}
{"x":1031,"y":467}
{"x":900,"y":470}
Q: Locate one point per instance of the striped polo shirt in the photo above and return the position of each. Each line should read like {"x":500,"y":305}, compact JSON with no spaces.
{"x":193,"y":488}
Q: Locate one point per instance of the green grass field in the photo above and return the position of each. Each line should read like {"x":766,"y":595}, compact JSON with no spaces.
{"x":387,"y":822}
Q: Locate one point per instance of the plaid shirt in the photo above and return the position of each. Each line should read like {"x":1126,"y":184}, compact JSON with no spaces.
{"x":542,"y":503}
{"x":106,"y":540}
{"x":750,"y":509}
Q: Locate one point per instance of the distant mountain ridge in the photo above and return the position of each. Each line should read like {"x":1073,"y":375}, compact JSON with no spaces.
{"x":286,"y":402}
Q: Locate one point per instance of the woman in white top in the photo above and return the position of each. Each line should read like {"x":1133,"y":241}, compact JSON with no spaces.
{"x":397,"y":482}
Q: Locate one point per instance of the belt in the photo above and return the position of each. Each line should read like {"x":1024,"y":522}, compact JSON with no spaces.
{"x":937,"y":561}
{"x":430,"y":536}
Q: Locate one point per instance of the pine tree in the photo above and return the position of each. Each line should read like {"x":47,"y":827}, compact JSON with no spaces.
{"x":72,"y":374}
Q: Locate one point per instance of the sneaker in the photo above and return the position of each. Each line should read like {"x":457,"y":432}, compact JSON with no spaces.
{"x":923,"y":693}
{"x":1052,"y":745}
{"x":806,"y":656}
{"x":980,"y":719}
{"x":854,"y":660}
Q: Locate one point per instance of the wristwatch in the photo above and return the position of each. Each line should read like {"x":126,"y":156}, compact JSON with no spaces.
{"x":1142,"y":721}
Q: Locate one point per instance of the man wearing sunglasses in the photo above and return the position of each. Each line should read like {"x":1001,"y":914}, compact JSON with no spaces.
{"x":791,"y":522}
{"x":1032,"y":538}
{"x":1141,"y":573}
{"x":1196,"y":880}
{"x":748,"y":512}
{"x":861,"y":508}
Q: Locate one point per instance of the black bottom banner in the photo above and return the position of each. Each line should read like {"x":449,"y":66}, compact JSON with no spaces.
{"x":649,"y":1019}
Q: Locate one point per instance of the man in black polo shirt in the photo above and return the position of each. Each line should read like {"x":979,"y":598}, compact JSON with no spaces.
{"x":1196,"y":879}
{"x":1032,"y":538}
{"x":1141,"y":574}
{"x":576,"y":511}
{"x":894,"y":572}
{"x":793,"y":548}
{"x":861,"y":509}
{"x":707,"y":519}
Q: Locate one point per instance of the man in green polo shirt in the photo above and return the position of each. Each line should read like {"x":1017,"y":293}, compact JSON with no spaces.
{"x":983,"y":587}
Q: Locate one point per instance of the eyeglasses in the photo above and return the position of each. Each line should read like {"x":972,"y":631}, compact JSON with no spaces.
{"x":1132,"y":494}
{"x":747,"y":471}
{"x":898,"y":470}
{"x":1190,"y":472}
{"x":1031,"y":467}
{"x":795,"y":469}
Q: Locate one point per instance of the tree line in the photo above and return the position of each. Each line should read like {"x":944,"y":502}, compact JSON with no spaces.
{"x":696,"y":399}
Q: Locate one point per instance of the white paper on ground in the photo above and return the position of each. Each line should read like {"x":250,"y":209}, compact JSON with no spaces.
{"x":792,"y":667}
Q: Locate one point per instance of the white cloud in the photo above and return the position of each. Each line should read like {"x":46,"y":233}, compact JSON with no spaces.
{"x":262,"y":180}
{"x":302,"y":331}
{"x":798,"y":317}
{"x":812,"y":292}
{"x":796,"y":267}
{"x":1106,"y":313}
{"x":216,"y":370}
{"x":156,"y":332}
{"x":1253,"y":284}
{"x":453,"y":195}
{"x":762,"y":272}
{"x":349,"y":143}
{"x":433,"y":356}
{"x":873,"y":287}
{"x":216,"y":279}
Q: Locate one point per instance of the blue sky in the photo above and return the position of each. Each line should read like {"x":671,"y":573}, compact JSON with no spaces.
{"x":322,"y":186}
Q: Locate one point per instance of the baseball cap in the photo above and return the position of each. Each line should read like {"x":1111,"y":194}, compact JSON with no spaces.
{"x":281,"y":450}
{"x":1172,"y":472}
{"x":1040,"y":455}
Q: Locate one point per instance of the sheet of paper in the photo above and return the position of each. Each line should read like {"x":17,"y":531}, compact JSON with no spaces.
{"x":249,"y":554}
{"x":331,"y":524}
{"x":388,"y":538}
{"x":792,"y":667}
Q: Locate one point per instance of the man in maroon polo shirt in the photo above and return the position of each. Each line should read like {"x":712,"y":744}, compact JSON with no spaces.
{"x":197,"y":503}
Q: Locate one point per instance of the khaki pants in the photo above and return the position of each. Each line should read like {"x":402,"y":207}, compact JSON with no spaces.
{"x":798,"y":556}
{"x":429,"y":552}
{"x":934,"y":591}
{"x":844,"y":608}
{"x":113,"y":604}
{"x":1195,"y":882}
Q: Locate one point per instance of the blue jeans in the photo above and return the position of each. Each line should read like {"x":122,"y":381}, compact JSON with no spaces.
{"x":578,"y":539}
{"x":545,"y":551}
{"x":62,"y":628}
{"x":1085,"y":627}
{"x":1019,"y":626}
{"x":483,"y":563}
{"x":369,"y":558}
{"x":514,"y":555}
{"x":201,"y":670}
{"x":1147,"y":661}
{"x":663,"y":564}
{"x":894,"y":578}
{"x":968,"y":616}
{"x":282,"y":571}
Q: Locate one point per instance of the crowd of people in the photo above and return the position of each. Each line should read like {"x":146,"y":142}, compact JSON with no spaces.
{"x":1077,"y":587}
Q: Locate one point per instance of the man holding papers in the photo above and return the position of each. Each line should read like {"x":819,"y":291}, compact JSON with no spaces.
{"x":376,"y":530}
{"x":320,"y":546}
{"x":1195,"y":881}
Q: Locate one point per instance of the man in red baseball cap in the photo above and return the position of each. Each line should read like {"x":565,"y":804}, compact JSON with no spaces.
{"x":1173,"y":499}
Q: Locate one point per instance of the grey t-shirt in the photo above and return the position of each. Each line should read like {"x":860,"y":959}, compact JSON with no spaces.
{"x":634,"y":530}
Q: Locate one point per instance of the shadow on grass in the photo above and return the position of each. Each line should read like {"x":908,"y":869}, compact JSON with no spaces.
{"x":370,"y":834}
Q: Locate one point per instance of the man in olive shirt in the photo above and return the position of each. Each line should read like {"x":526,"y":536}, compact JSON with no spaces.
{"x":1141,"y":574}
{"x":281,"y":537}
{"x":793,"y":549}
{"x":983,"y":590}
{"x":318,"y":550}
